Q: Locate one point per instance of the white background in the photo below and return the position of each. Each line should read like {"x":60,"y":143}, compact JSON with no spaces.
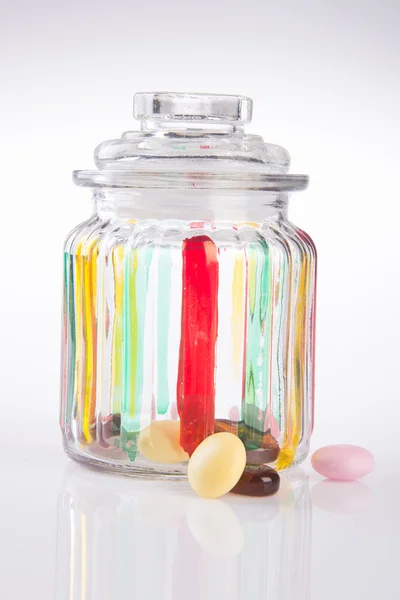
{"x":324,"y":77}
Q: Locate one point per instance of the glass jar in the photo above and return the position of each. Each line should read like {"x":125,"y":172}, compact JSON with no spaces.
{"x":189,"y":297}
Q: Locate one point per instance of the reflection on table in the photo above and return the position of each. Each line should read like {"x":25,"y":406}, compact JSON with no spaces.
{"x":151,"y":540}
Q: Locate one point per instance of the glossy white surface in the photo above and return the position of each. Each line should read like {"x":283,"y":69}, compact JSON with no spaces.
{"x":70,"y":533}
{"x":325,"y":80}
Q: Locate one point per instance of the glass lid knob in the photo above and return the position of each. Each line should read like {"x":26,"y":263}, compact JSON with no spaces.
{"x":192,"y":107}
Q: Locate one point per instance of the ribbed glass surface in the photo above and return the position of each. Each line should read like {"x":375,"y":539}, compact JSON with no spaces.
{"x":193,"y":321}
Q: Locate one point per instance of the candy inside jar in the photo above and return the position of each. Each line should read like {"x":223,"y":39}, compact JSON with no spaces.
{"x":189,"y":297}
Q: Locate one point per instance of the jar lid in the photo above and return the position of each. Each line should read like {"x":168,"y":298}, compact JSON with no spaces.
{"x":191,"y":141}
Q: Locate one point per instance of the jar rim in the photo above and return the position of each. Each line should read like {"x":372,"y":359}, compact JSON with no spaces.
{"x":250,"y":181}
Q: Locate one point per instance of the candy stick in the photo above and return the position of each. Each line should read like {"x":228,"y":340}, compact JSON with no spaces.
{"x":196,"y":384}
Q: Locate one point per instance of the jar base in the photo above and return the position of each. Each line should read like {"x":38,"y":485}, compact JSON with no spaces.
{"x":140,"y":468}
{"x":143,"y":467}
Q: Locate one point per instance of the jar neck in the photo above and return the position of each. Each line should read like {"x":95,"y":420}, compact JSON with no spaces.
{"x":195,"y":205}
{"x":190,"y":128}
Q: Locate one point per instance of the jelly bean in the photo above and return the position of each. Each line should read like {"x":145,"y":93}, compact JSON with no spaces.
{"x":216,"y":465}
{"x":104,"y":451}
{"x":251,"y":437}
{"x":257,"y":481}
{"x":260,"y":456}
{"x":146,"y":449}
{"x":112,"y":425}
{"x":227,"y":426}
{"x":116,"y":421}
{"x":343,"y":462}
{"x":160,"y":442}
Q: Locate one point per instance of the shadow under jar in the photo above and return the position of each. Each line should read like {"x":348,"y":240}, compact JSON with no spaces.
{"x":189,"y":297}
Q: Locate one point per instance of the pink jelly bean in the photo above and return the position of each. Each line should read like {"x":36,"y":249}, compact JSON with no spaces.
{"x":343,"y":462}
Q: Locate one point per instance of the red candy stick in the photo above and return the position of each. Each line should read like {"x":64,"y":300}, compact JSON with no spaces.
{"x":196,"y":385}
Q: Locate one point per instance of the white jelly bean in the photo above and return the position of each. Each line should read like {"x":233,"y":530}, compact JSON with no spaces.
{"x":216,"y":465}
{"x":160,"y":443}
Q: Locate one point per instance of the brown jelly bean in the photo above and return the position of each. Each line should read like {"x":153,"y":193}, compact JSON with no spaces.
{"x":255,"y":439}
{"x":116,"y":421}
{"x":252,"y":439}
{"x":257,"y":481}
{"x":260,"y":456}
{"x":109,"y":428}
{"x":226,"y":426}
